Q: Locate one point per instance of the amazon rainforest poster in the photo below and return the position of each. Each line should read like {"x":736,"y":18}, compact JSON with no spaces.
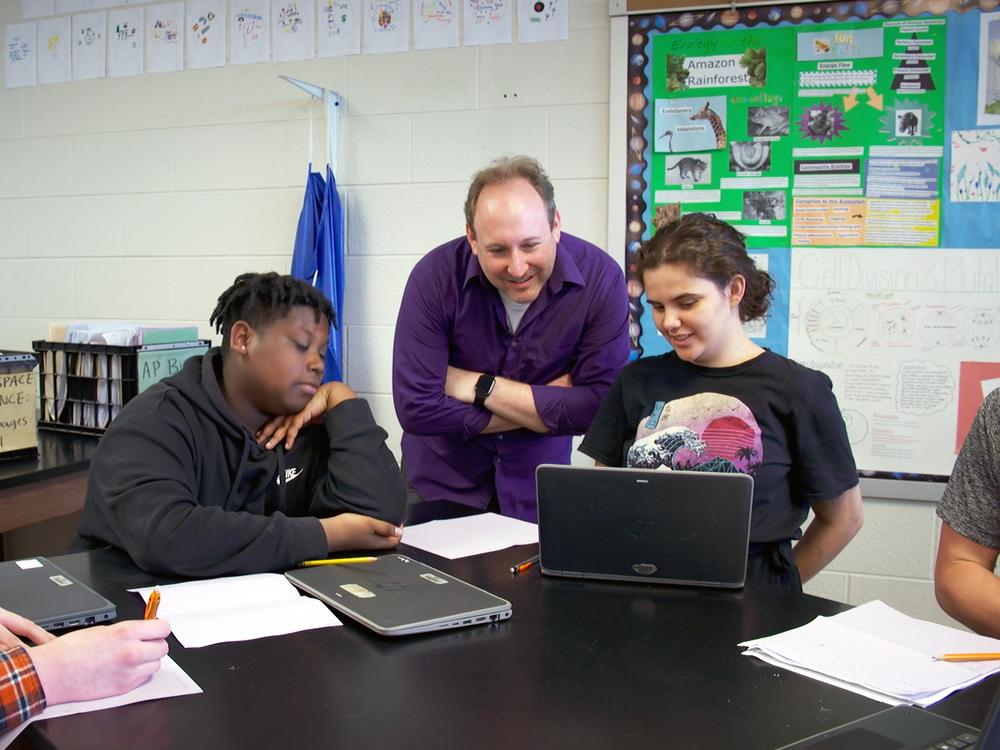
{"x":809,"y":135}
{"x":812,"y":132}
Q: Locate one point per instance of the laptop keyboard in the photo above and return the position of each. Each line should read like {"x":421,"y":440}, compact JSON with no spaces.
{"x":966,"y":741}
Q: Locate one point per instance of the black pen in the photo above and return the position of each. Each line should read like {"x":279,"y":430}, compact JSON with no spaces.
{"x":523,"y":566}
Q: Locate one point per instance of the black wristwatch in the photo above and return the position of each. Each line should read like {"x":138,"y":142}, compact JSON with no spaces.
{"x":484,"y":387}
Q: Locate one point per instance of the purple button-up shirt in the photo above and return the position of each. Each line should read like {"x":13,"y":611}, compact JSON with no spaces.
{"x":452,"y":315}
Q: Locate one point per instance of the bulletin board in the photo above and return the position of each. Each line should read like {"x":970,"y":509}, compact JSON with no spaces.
{"x":857,"y":147}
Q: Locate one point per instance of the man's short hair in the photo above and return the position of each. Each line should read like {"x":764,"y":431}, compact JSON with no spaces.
{"x":262,"y":298}
{"x":506,"y":169}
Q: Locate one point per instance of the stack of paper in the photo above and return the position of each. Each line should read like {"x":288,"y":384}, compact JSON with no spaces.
{"x":880,"y":653}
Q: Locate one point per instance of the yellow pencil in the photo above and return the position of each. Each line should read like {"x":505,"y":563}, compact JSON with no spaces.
{"x":986,"y":656}
{"x":336,"y":561}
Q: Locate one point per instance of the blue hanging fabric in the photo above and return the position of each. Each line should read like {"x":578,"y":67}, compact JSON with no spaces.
{"x":304,"y":250}
{"x":330,"y":271}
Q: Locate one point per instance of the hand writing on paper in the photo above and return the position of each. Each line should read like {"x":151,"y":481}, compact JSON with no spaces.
{"x":100,"y":661}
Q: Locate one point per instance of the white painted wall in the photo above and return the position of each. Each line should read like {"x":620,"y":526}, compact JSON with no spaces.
{"x":142,"y":198}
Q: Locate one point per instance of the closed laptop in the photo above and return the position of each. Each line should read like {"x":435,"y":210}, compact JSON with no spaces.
{"x":687,"y":528}
{"x":908,"y":728}
{"x":396,"y":595}
{"x":43,"y":592}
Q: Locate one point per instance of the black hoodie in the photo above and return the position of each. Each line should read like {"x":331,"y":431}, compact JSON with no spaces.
{"x":183,"y":487}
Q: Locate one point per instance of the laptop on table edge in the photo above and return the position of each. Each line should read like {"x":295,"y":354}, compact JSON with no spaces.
{"x":43,"y":592}
{"x":908,"y":728}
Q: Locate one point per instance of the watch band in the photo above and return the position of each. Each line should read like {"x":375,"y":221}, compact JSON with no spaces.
{"x":484,"y":387}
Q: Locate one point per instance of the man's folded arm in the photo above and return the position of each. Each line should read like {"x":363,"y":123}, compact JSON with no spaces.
{"x":419,"y":368}
{"x":603,"y":351}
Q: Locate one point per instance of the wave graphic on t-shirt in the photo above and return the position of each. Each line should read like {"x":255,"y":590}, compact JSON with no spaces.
{"x":706,"y":432}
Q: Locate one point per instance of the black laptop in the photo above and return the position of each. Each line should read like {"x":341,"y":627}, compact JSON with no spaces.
{"x":908,"y":728}
{"x":687,"y":528}
{"x":43,"y":592}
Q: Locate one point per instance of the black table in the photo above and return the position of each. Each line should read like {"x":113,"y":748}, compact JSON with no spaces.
{"x":579,"y":665}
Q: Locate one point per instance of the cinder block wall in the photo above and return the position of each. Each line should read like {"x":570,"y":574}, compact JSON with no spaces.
{"x":142,"y":198}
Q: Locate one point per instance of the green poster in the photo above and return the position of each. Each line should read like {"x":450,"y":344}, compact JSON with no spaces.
{"x":825,"y":134}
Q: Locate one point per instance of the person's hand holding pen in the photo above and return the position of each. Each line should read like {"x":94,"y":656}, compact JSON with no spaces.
{"x":103,"y":660}
{"x":99,"y":661}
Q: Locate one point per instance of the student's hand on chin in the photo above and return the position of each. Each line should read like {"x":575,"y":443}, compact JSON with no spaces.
{"x":354,"y":531}
{"x":287,"y":427}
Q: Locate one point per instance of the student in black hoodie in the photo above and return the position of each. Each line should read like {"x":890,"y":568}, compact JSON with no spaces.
{"x":243,"y":462}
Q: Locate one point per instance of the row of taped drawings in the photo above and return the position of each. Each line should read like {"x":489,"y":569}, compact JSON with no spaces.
{"x":802,"y":136}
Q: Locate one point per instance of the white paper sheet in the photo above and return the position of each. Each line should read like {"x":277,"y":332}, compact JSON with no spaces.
{"x":339,"y":27}
{"x":89,"y":46}
{"x":293,"y":30}
{"x":471,"y":535}
{"x":170,"y":681}
{"x":435,"y":23}
{"x":164,"y":40}
{"x":542,"y":20}
{"x":250,"y":31}
{"x":386,"y":26}
{"x":878,"y":649}
{"x":55,"y":62}
{"x":19,"y":55}
{"x":239,"y":608}
{"x":206,"y":33}
{"x":125,"y":42}
{"x":487,"y":22}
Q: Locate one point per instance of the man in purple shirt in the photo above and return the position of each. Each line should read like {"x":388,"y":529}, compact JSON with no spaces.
{"x":507,"y":341}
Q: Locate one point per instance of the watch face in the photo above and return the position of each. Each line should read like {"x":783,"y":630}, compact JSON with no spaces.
{"x":484,"y":387}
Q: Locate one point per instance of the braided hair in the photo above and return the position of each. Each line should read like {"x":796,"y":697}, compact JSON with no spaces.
{"x":262,"y":298}
{"x":714,"y":250}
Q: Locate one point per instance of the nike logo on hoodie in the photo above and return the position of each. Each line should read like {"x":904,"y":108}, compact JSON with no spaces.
{"x":290,"y":474}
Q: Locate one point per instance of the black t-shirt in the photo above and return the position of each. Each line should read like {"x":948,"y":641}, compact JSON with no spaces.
{"x":769,"y":417}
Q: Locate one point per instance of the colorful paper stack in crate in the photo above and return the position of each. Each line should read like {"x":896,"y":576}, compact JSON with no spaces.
{"x":85,"y":383}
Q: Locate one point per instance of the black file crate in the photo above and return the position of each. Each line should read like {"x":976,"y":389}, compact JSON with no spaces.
{"x":82,"y":387}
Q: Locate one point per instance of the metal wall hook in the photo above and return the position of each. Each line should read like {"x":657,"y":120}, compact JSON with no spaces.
{"x":332,"y":101}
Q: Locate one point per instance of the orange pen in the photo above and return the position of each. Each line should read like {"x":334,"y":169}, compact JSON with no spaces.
{"x":152,"y":604}
{"x":523,"y":566}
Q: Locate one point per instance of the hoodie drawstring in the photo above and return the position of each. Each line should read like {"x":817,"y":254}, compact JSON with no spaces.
{"x":281,"y":477}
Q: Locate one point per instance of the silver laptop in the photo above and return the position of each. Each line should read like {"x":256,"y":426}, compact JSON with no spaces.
{"x":396,"y":595}
{"x":43,"y":592}
{"x":688,"y":528}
